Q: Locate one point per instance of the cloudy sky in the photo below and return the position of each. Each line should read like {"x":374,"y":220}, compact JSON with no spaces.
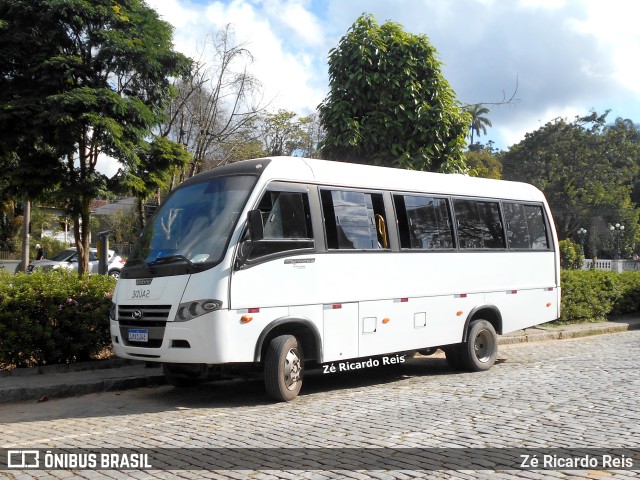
{"x":565,"y":57}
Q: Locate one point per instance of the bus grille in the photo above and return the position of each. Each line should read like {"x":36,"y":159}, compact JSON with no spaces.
{"x":152,"y":318}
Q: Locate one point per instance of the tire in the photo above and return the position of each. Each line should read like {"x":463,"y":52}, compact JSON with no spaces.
{"x":115,"y":274}
{"x":480,"y":351}
{"x":283,"y":368}
{"x":428,"y":351}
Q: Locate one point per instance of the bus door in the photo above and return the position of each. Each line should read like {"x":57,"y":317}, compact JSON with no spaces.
{"x":278,"y":273}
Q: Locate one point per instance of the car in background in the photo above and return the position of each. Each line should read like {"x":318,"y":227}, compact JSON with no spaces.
{"x":68,"y":260}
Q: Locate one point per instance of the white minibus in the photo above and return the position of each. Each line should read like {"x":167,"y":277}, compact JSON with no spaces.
{"x":272,"y":265}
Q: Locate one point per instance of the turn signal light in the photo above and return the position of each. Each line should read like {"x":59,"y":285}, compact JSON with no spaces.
{"x":386,"y":320}
{"x":459,"y":312}
{"x":246,"y":318}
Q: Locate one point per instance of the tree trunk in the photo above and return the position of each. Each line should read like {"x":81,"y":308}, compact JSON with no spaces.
{"x":82,"y":234}
{"x":25,"y":235}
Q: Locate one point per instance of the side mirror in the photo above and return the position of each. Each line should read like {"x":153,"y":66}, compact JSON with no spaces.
{"x":256,"y":230}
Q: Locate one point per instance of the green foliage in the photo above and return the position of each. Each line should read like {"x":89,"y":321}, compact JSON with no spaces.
{"x":481,"y":162}
{"x":479,"y":122}
{"x":284,"y":134}
{"x":571,"y":257}
{"x":591,"y":295}
{"x":629,"y":300}
{"x":389,"y":103}
{"x":158,"y":162}
{"x":51,"y":246}
{"x":585,"y":168}
{"x":79,"y":79}
{"x":53,"y":318}
{"x":9,"y":223}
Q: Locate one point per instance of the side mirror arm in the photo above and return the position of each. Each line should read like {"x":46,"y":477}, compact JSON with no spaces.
{"x":255,"y":233}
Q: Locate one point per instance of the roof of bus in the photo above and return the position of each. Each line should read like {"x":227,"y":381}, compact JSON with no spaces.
{"x":343,"y":174}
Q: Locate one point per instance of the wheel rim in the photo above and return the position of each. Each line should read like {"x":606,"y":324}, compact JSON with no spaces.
{"x":483,"y":346}
{"x":292,"y":369}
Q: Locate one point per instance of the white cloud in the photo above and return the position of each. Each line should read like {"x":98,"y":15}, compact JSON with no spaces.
{"x":546,"y":4}
{"x":567,"y":56}
{"x":615,"y":26}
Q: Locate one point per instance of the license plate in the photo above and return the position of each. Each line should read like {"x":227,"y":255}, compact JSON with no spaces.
{"x":138,"y":335}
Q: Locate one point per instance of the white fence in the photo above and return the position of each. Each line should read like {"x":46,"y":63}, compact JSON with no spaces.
{"x":614,"y":265}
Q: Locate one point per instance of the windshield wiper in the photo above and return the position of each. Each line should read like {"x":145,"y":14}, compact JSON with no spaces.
{"x":171,"y":259}
{"x":140,"y":262}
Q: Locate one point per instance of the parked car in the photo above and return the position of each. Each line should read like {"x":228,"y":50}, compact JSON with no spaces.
{"x":68,"y":259}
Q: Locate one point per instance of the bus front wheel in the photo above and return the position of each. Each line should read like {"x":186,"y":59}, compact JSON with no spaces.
{"x":283,"y":368}
{"x":481,"y":348}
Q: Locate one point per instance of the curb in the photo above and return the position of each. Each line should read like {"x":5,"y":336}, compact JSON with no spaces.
{"x":541,"y":334}
{"x":38,"y":384}
{"x":33,"y":388}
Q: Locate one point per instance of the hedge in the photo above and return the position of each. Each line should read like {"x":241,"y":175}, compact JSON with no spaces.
{"x":48,"y":318}
{"x":591,"y":295}
{"x":55,"y":317}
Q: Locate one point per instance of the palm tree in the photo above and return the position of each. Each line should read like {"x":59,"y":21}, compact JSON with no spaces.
{"x":479,"y":123}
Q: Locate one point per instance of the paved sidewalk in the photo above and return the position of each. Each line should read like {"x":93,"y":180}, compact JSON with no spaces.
{"x":57,"y":381}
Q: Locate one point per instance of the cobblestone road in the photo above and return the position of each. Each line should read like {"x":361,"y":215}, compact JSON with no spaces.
{"x":569,"y":393}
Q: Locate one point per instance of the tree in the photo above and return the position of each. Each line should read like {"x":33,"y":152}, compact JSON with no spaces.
{"x":158,"y":163}
{"x":216,"y":106}
{"x":587,"y":170}
{"x":479,"y":123}
{"x":283,"y":133}
{"x":482,"y":162}
{"x":389,"y":103}
{"x":80,"y":79}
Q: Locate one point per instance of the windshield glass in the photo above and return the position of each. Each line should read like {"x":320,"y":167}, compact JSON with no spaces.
{"x":194,"y":224}
{"x":63,"y":255}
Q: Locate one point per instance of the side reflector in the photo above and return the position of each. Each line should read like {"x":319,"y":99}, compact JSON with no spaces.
{"x":386,"y":320}
{"x":253,"y":310}
{"x":403,"y":300}
{"x":512,"y":292}
{"x":460,"y":295}
{"x":246,"y":318}
{"x":550,"y":289}
{"x":336,"y":306}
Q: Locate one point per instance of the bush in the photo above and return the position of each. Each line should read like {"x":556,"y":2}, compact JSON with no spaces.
{"x":571,"y":257}
{"x":55,"y":317}
{"x":591,"y":295}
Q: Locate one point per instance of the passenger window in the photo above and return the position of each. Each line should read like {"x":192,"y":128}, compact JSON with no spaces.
{"x":354,"y":220}
{"x":479,"y":224}
{"x":526,"y":228}
{"x":286,"y":220}
{"x":424,"y":223}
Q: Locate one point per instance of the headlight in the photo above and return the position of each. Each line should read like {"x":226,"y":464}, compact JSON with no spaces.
{"x":112,"y":311}
{"x":189,"y":310}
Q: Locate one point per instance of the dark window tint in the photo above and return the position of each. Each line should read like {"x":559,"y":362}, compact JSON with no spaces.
{"x":354,"y":220}
{"x":287,"y":223}
{"x":479,"y":224}
{"x":423,"y":222}
{"x":285,"y":215}
{"x":526,"y":228}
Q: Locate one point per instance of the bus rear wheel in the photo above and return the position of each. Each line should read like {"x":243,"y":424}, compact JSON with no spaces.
{"x":283,"y":368}
{"x":480,"y":351}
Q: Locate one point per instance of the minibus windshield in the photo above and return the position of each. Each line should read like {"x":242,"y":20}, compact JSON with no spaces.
{"x":192,"y":227}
